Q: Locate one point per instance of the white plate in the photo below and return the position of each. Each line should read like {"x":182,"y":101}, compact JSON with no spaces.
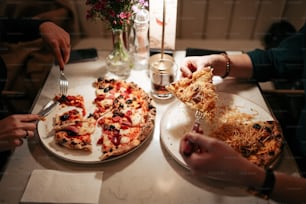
{"x":179,"y":118}
{"x":46,"y":133}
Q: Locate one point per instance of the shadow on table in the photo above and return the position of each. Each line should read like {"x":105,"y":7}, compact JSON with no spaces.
{"x":50,"y":161}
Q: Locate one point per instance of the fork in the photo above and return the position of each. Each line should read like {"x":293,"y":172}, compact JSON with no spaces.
{"x":63,"y":83}
{"x":193,"y":146}
{"x":197,"y":122}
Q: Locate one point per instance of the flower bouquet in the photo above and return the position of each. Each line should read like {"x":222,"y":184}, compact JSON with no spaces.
{"x":118,"y":15}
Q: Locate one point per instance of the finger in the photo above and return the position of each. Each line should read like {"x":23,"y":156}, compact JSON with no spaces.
{"x":186,"y":72}
{"x":26,"y":126}
{"x":16,"y":142}
{"x":188,"y":146}
{"x":30,"y":134}
{"x":192,"y":67}
{"x":19,"y":133}
{"x":66,"y":50}
{"x":29,"y":117}
{"x":26,"y":134}
{"x":59,"y":57}
{"x":202,"y":141}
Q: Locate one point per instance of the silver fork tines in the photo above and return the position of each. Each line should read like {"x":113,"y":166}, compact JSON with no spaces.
{"x":63,"y":84}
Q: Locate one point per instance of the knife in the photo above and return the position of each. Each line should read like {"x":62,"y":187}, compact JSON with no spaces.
{"x":46,"y":109}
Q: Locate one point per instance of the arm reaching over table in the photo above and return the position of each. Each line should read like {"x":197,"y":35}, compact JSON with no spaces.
{"x":17,"y":126}
{"x":59,"y":41}
{"x":211,"y":157}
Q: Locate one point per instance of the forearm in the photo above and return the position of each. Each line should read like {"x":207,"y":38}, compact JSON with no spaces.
{"x":60,"y":16}
{"x":289,"y":189}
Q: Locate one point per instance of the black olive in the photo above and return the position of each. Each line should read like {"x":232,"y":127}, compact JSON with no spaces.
{"x":107,"y":89}
{"x":271,"y":153}
{"x":121,"y":106}
{"x":62,"y":99}
{"x":111,"y":127}
{"x":64,"y":117}
{"x":71,"y":133}
{"x":257,"y":126}
{"x":268,"y":129}
{"x":118,"y":113}
{"x":129,"y":101}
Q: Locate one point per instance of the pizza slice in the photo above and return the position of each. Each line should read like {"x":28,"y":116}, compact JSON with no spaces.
{"x":73,"y":131}
{"x":121,"y":132}
{"x":198,"y":92}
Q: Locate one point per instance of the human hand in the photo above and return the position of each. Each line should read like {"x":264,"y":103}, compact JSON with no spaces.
{"x":16,"y":127}
{"x":210,"y":157}
{"x":59,"y":41}
{"x":192,"y":64}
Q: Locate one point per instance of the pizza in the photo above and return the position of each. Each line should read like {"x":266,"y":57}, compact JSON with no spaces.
{"x":122,"y":119}
{"x":261,"y":142}
{"x":125,"y":114}
{"x":73,"y":131}
{"x":198,"y":92}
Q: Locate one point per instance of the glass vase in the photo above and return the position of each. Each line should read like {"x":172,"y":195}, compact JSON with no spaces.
{"x":119,"y":61}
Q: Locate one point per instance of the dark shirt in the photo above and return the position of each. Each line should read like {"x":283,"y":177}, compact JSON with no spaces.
{"x":13,"y":31}
{"x":16,"y":30}
{"x":287,"y":61}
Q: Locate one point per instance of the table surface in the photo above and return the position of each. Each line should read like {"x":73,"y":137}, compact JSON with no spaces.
{"x":149,"y":174}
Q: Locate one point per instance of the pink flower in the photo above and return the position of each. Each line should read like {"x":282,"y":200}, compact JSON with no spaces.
{"x":116,"y":12}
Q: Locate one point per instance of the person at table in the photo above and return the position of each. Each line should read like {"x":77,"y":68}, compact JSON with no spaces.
{"x":287,"y":62}
{"x":15,"y":127}
{"x":215,"y":158}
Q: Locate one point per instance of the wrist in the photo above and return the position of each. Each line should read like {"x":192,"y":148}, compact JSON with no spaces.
{"x":263,"y":190}
{"x":221,"y":64}
{"x":228,"y":65}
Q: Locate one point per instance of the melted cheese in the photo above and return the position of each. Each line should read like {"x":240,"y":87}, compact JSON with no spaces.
{"x":124,"y":140}
{"x":137,"y":117}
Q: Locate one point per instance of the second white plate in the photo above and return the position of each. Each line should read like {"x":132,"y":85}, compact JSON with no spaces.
{"x":179,"y":118}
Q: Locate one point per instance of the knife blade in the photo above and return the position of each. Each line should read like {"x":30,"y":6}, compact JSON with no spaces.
{"x":46,"y":109}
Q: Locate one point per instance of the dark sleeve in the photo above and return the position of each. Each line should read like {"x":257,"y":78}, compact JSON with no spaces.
{"x":15,"y":30}
{"x":3,"y":74}
{"x":285,"y":61}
